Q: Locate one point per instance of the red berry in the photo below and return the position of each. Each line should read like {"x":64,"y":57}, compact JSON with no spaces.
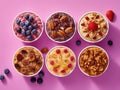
{"x":65,"y":51}
{"x":63,"y":71}
{"x":52,"y":62}
{"x":70,"y":65}
{"x":55,"y":69}
{"x":58,"y":51}
{"x":110,"y":15}
{"x":72,"y":58}
{"x":92,"y":26}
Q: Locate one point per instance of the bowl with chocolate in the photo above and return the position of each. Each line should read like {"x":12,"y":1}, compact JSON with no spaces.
{"x":60,"y":61}
{"x":27,"y":27}
{"x":93,"y":27}
{"x":93,"y":61}
{"x":28,"y":61}
{"x":60,"y":27}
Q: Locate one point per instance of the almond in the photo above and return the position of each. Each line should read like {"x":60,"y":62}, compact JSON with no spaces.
{"x":68,"y":30}
{"x":53,"y":34}
{"x":61,"y":33}
{"x":50,"y":25}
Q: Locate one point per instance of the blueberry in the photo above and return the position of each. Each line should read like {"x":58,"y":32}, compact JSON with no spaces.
{"x":7,"y":71}
{"x":2,"y":77}
{"x":18,"y":21}
{"x":27,"y":23}
{"x":31,"y":19}
{"x":22,"y":24}
{"x":19,"y":30}
{"x":25,"y":28}
{"x":29,"y":38}
{"x":26,"y":16}
{"x":35,"y":25}
{"x":78,"y":42}
{"x":39,"y":80}
{"x":30,"y":27}
{"x":33,"y":79}
{"x":28,"y":32}
{"x":23,"y":33}
{"x":41,"y":74}
{"x":110,"y":42}
{"x":34,"y":31}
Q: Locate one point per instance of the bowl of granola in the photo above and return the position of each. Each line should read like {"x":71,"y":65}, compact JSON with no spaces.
{"x":93,"y":61}
{"x":28,"y":61}
{"x":93,"y":27}
{"x":60,"y":61}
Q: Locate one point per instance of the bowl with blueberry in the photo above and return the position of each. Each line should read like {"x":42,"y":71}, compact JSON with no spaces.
{"x":28,"y":27}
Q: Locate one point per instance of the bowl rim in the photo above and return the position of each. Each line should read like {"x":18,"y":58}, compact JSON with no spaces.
{"x":79,"y":27}
{"x":90,"y":46}
{"x":64,"y":40}
{"x":71,"y":69}
{"x":20,"y":72}
{"x":42,"y":28}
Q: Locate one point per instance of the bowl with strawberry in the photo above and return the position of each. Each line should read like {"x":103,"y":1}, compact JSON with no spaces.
{"x":93,"y":27}
{"x":60,"y":61}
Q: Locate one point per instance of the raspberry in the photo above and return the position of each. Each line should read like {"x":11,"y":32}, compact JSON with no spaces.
{"x":58,"y":51}
{"x":52,"y":62}
{"x":65,"y":51}
{"x":92,"y":26}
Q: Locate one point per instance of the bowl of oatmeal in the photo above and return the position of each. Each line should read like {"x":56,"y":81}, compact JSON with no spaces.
{"x":93,"y":27}
{"x":28,"y":61}
{"x":27,"y":27}
{"x":93,"y":61}
{"x":60,"y":61}
{"x":60,"y":27}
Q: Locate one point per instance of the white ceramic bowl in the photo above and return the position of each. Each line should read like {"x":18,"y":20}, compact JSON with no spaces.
{"x":91,"y":41}
{"x":63,"y":40}
{"x":87,"y":73}
{"x":31,"y":62}
{"x":27,"y":41}
{"x":60,"y":62}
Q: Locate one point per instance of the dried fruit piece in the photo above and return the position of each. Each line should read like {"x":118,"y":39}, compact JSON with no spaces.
{"x":19,"y":57}
{"x":110,"y":15}
{"x":44,"y":50}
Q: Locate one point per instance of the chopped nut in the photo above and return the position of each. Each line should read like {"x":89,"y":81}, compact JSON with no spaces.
{"x":61,"y":33}
{"x":51,"y":25}
{"x":68,"y":30}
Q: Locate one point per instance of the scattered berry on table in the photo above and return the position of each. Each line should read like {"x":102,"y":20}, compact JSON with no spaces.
{"x":110,"y":42}
{"x":33,"y":79}
{"x":110,"y":15}
{"x":6,"y":71}
{"x":39,"y":80}
{"x":78,"y":42}
{"x":2,"y":77}
{"x":41,"y":73}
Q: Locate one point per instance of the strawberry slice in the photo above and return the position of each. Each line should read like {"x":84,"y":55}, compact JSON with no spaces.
{"x":110,"y":15}
{"x":92,"y":26}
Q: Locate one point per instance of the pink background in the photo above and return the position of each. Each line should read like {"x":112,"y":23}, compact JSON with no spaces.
{"x":110,"y":80}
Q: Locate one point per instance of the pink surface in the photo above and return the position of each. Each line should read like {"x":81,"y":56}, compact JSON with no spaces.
{"x":110,"y":80}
